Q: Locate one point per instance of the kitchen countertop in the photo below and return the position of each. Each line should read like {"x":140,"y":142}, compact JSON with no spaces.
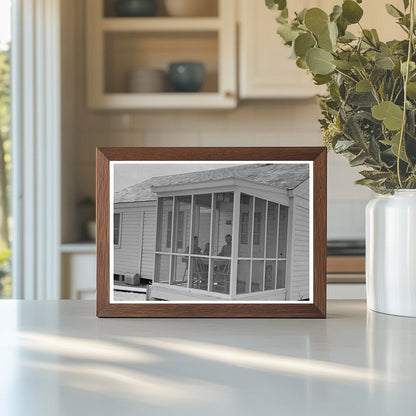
{"x":57,"y":358}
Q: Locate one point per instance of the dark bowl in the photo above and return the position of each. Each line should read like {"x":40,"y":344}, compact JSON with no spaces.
{"x":135,"y":8}
{"x":186,"y":76}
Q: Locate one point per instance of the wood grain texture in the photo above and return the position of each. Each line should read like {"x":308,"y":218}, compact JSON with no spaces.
{"x":317,"y":309}
{"x":346,"y":264}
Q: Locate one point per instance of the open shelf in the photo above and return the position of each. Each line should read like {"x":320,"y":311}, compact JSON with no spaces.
{"x":160,"y":24}
{"x":167,"y":100}
{"x":119,"y":45}
{"x":127,"y":51}
{"x":211,"y":9}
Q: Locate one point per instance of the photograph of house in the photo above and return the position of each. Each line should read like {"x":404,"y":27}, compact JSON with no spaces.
{"x":235,"y":233}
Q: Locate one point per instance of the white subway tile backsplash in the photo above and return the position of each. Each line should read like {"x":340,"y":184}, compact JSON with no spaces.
{"x":202,"y":120}
{"x":346,"y":219}
{"x":145,"y":120}
{"x":173,"y":138}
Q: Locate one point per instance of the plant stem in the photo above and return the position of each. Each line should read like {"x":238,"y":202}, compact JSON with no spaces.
{"x":346,"y":75}
{"x":406,"y":80}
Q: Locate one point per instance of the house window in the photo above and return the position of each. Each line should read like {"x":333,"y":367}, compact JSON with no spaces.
{"x":164,"y":224}
{"x":257,"y":228}
{"x":262,"y":245}
{"x":181,"y":230}
{"x":169,"y":230}
{"x":117,"y":229}
{"x":244,"y":228}
{"x":182,"y":223}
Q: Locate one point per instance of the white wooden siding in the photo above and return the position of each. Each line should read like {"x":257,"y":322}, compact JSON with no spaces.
{"x":149,"y":243}
{"x":299,"y":282}
{"x":302,"y":190}
{"x":137,"y":244}
{"x":126,"y":256}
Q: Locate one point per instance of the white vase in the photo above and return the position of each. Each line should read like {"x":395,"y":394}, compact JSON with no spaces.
{"x":391,"y":253}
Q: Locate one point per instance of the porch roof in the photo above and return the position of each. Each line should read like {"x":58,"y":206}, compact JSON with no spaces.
{"x":281,"y":176}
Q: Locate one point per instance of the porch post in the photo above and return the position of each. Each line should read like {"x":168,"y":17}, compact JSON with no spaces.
{"x":234,"y":247}
{"x":290,"y":248}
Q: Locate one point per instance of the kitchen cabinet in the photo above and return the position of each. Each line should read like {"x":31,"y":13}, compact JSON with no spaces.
{"x":265,"y":70}
{"x":118,"y":45}
{"x":78,"y":263}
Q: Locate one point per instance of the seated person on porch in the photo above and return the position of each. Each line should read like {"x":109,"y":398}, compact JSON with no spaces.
{"x":206,"y":249}
{"x":195,"y":248}
{"x":226,"y":248}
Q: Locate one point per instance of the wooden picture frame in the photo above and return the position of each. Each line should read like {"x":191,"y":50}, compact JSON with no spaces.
{"x":240,"y":282}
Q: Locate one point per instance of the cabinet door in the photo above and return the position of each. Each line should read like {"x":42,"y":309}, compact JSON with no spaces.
{"x":376,"y":17}
{"x":78,"y":276}
{"x":265,"y":68}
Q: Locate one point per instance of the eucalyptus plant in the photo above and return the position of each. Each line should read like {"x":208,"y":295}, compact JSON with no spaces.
{"x":369,"y":111}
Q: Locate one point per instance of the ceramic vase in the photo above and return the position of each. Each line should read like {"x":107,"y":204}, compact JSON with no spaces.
{"x":391,"y":253}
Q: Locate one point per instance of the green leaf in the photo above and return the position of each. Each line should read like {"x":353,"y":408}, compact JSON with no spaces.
{"x":388,"y":112}
{"x":336,"y":12}
{"x":406,"y":4}
{"x":368,"y":36}
{"x":301,"y":63}
{"x":411,"y":90}
{"x":374,"y":175}
{"x":358,"y":160}
{"x":375,"y":35}
{"x":351,"y":11}
{"x":374,"y":150}
{"x":393,"y":11}
{"x":333,"y":32}
{"x":276,"y":4}
{"x":325,"y":42}
{"x":344,"y":65}
{"x":412,"y":67}
{"x":319,"y":61}
{"x":287,"y":33}
{"x":365,"y":182}
{"x":347,"y":37}
{"x":358,"y":61}
{"x":354,"y":132}
{"x":394,"y":145}
{"x":303,"y":43}
{"x":363,"y":86}
{"x":301,"y":15}
{"x":342,"y":25}
{"x":321,"y":79}
{"x":316,"y":20}
{"x":384,"y":62}
{"x":343,"y":145}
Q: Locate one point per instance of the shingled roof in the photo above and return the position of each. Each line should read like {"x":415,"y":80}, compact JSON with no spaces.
{"x":280,"y":176}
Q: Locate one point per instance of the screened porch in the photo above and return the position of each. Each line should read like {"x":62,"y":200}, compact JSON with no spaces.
{"x":223,"y":245}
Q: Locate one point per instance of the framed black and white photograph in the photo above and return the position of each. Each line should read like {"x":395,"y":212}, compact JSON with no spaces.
{"x":211,"y":232}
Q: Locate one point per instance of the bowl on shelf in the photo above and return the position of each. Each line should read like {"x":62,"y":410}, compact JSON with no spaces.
{"x":191,"y":8}
{"x":186,"y":76}
{"x":147,"y":81}
{"x":135,"y":8}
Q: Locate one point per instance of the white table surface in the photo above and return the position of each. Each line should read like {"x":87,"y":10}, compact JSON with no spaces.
{"x":57,"y":358}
